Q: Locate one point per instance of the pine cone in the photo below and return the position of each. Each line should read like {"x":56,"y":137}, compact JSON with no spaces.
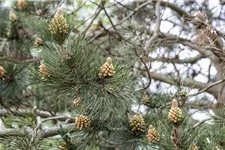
{"x":2,"y":72}
{"x":183,"y":93}
{"x":218,"y":148}
{"x":12,"y":16}
{"x":38,"y":41}
{"x":107,"y":69}
{"x":146,"y":99}
{"x":63,"y":147}
{"x":206,"y":36}
{"x":137,"y":124}
{"x":58,"y":25}
{"x":194,"y":147}
{"x":174,"y":103}
{"x":175,"y":114}
{"x":43,"y":71}
{"x":77,"y":101}
{"x":82,"y":122}
{"x":40,"y":12}
{"x":153,"y":134}
{"x":21,"y":4}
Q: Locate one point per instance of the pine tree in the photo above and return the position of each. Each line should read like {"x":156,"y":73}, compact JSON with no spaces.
{"x":73,"y":84}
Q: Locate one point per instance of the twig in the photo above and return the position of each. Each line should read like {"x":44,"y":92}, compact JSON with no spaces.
{"x":132,"y":13}
{"x":59,"y":5}
{"x":125,"y":19}
{"x":57,"y":118}
{"x":77,"y":9}
{"x":150,"y":41}
{"x":114,"y":27}
{"x":187,"y":82}
{"x":207,"y":87}
{"x":101,"y":25}
{"x":95,"y":16}
{"x":124,"y":5}
{"x":157,"y":27}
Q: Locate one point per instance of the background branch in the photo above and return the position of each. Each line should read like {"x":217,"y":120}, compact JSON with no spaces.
{"x":186,"y":82}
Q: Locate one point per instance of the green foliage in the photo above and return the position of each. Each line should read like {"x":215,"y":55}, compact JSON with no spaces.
{"x":77,"y":76}
{"x":13,"y":85}
{"x":106,"y":101}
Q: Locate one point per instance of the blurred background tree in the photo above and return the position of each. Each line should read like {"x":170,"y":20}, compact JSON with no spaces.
{"x":112,"y":75}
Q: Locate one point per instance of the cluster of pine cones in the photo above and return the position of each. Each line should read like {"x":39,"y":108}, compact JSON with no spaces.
{"x":107,"y":69}
{"x":43,"y":71}
{"x":175,"y":113}
{"x":58,"y":25}
{"x":82,"y":122}
{"x":153,"y":134}
{"x":137,"y":124}
{"x":2,"y":72}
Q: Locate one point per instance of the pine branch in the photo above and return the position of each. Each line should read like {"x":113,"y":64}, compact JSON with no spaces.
{"x":45,"y":133}
{"x":41,"y":113}
{"x":176,"y":136}
{"x":32,"y":60}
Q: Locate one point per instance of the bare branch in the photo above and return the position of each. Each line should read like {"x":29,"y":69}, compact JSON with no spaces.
{"x":190,"y":60}
{"x":132,"y":13}
{"x":174,"y":7}
{"x":186,"y":82}
{"x":122,"y":21}
{"x":157,"y":27}
{"x":208,"y":87}
{"x":95,"y":16}
{"x":149,"y":42}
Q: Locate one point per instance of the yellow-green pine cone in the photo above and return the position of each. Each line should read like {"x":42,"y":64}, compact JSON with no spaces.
{"x":146,"y":99}
{"x":62,"y":147}
{"x":43,"y":71}
{"x":174,"y":103}
{"x":137,"y":124}
{"x":218,"y":148}
{"x":82,"y":122}
{"x":38,"y":41}
{"x":21,"y":4}
{"x":58,"y":25}
{"x":175,"y":114}
{"x":183,"y":93}
{"x":12,"y":16}
{"x":107,"y":69}
{"x":77,"y":101}
{"x":194,"y":147}
{"x":153,"y":134}
{"x":2,"y":71}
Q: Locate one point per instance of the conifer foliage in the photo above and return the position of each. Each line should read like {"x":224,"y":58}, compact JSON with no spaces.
{"x":71,"y":84}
